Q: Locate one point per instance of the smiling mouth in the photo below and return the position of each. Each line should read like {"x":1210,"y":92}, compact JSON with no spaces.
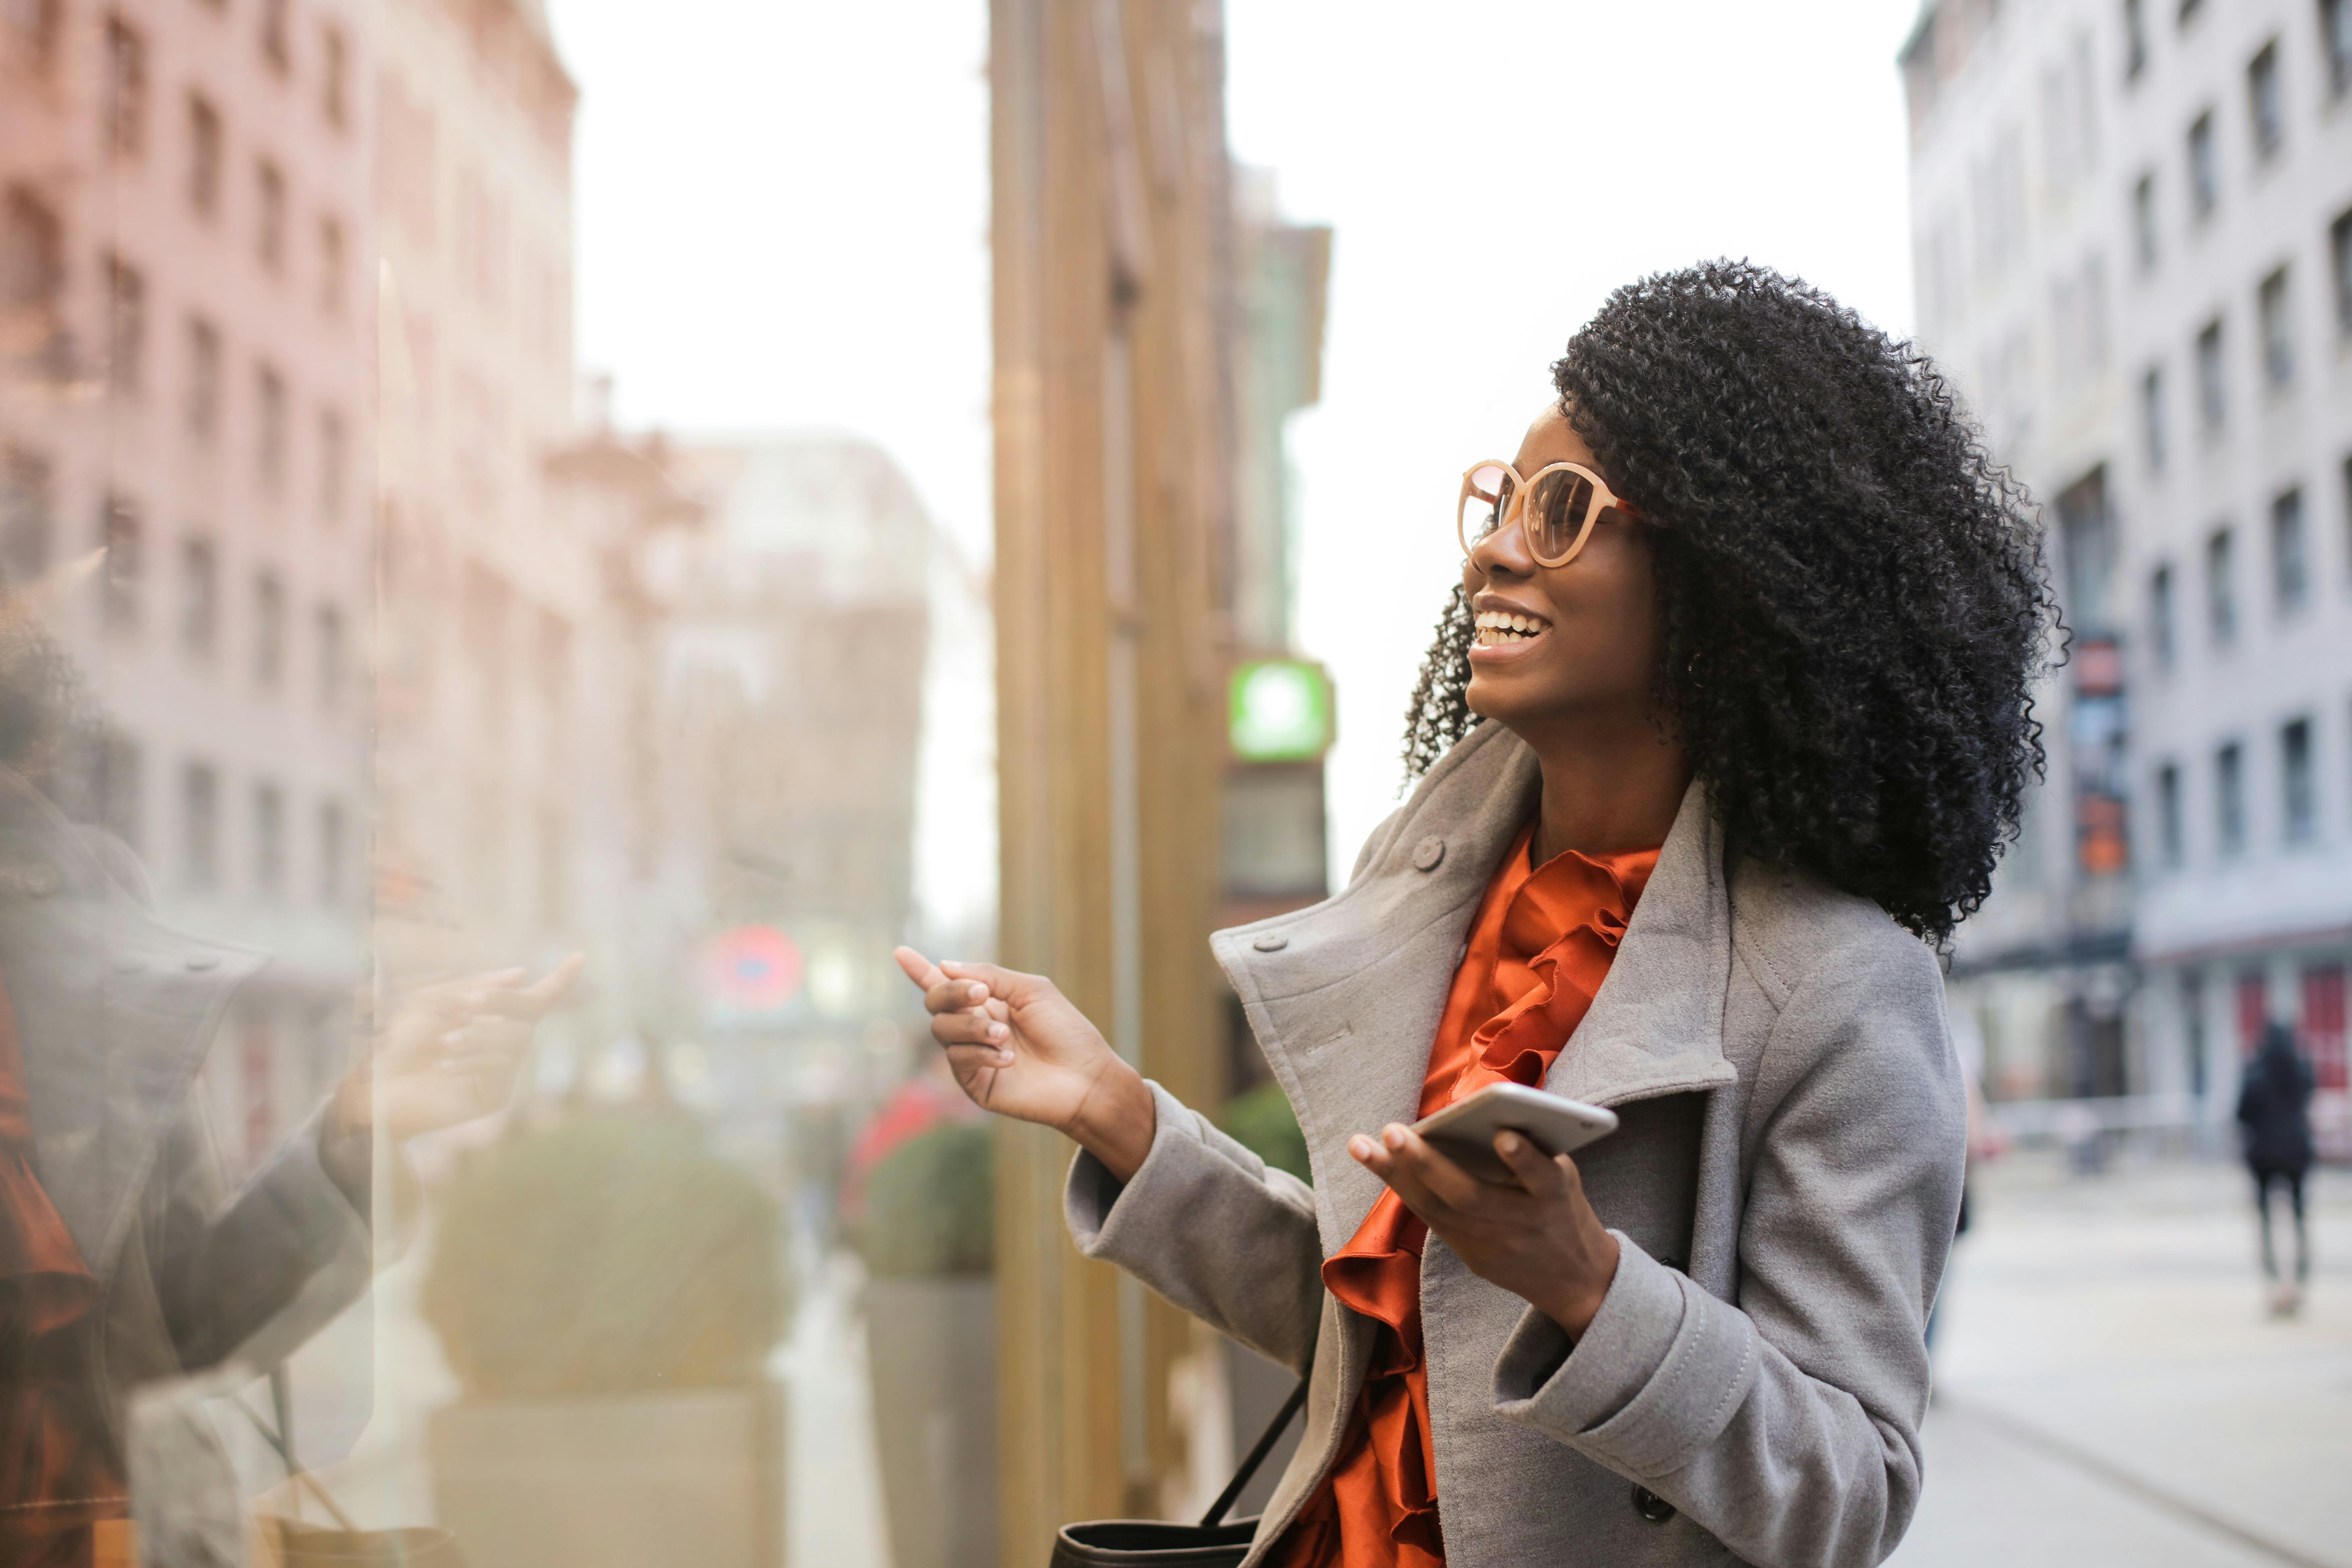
{"x":1497,"y":629}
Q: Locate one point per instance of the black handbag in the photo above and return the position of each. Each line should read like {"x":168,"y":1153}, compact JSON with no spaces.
{"x":1155,"y":1544}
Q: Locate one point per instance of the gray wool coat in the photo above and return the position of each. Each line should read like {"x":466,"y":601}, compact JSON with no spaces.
{"x":1783,"y":1186}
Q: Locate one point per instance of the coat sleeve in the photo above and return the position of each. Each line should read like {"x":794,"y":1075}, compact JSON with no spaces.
{"x":1214,"y":1228}
{"x":1788,"y":1426}
{"x":254,"y":1271}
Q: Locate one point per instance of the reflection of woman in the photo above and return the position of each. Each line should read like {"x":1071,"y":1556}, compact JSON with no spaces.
{"x":124,"y":1259}
{"x":1752,"y":731}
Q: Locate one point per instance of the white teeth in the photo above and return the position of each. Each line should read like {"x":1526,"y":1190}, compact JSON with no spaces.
{"x":1498,"y":626}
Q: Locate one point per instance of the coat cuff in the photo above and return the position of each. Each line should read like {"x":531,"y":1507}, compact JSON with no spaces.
{"x":1656,"y":1376}
{"x":1091,"y":1197}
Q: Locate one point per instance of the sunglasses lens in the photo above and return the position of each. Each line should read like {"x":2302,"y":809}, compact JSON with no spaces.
{"x":1484,"y":501}
{"x":1556,"y":511}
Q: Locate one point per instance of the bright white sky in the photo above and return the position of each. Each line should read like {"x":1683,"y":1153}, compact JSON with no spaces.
{"x":783,"y":215}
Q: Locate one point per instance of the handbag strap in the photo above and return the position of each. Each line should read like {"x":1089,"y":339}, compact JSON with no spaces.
{"x":1290,"y":1408}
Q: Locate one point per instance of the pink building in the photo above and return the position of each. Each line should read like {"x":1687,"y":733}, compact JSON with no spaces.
{"x":186,"y":317}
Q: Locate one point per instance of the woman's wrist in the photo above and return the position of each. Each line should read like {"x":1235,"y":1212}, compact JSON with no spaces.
{"x":1578,"y":1302}
{"x":1117,"y":1121}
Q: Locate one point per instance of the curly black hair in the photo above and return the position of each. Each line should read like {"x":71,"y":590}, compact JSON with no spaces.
{"x":1852,"y":599}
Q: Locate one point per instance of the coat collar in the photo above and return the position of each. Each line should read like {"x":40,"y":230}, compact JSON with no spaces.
{"x":1344,"y":996}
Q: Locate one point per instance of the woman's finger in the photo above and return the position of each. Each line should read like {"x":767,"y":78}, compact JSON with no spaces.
{"x":956,"y":997}
{"x":1386,"y":1160}
{"x":971,"y":1029}
{"x":1010,"y":984}
{"x":1536,"y":1171}
{"x":918,"y":969}
{"x":1449,"y":1183}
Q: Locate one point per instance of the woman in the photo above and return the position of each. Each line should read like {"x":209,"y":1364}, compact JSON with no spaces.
{"x":1723,"y":729}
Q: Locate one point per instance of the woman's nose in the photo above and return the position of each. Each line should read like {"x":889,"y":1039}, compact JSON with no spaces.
{"x":1504,"y":550}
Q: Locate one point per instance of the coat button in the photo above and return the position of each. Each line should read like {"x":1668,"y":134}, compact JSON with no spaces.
{"x":1272,"y":941}
{"x":1428,"y":853}
{"x":1653,"y":1508}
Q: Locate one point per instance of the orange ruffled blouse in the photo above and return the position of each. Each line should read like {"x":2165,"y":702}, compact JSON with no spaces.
{"x":1538,"y":951}
{"x":58,"y":1471}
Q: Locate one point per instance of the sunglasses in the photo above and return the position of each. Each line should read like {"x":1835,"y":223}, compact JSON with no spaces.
{"x":1557,"y":507}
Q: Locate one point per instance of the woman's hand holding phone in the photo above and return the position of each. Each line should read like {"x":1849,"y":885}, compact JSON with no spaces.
{"x":1019,"y":1049}
{"x":1536,"y":1237}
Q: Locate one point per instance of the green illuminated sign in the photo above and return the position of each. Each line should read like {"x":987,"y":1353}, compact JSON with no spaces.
{"x":1279,"y":711}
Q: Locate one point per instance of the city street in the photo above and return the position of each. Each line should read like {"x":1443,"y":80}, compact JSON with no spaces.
{"x":2109,"y":1389}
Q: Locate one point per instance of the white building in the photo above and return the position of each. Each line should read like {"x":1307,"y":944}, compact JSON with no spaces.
{"x":2133,"y":226}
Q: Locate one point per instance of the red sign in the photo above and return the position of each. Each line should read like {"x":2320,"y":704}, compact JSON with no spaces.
{"x":751,"y":969}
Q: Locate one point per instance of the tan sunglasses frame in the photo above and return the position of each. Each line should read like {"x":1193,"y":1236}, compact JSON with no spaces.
{"x":1603,"y":499}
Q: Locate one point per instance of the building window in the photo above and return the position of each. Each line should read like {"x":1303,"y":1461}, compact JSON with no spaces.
{"x":330,"y":657}
{"x":2192,"y":1017}
{"x":119,"y":536}
{"x":2336,"y":37}
{"x":200,"y":826}
{"x":269,"y":426}
{"x":2324,"y":1034}
{"x":331,"y":266}
{"x":2161,"y":636}
{"x":205,"y":154}
{"x":2290,"y":554}
{"x":2339,"y":254}
{"x":2168,"y":815}
{"x":334,"y":463}
{"x":2298,"y":796}
{"x":126,"y":87}
{"x":199,"y":599}
{"x":2221,"y":592}
{"x":33,"y":281}
{"x":2204,"y":167}
{"x":2278,"y":331}
{"x":2230,"y":800}
{"x":2143,"y":221}
{"x":37,"y":24}
{"x":2266,"y":101}
{"x":268,"y":838}
{"x":126,"y":327}
{"x":269,"y":181}
{"x":2213,"y":386}
{"x":268,"y":630}
{"x":2151,"y":418}
{"x":331,"y":852}
{"x":334,"y":76}
{"x":276,"y":35}
{"x":2135,"y":38}
{"x":203,"y":379}
{"x":27,"y":518}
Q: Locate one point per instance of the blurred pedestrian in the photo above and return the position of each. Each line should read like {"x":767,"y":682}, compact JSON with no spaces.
{"x":2274,"y":1115}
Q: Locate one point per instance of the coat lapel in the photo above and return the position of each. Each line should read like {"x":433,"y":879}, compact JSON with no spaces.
{"x":1344,"y":996}
{"x":1657,"y":1027}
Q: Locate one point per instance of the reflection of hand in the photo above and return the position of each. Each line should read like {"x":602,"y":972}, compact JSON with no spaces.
{"x":1020,"y":1049}
{"x":1537,"y":1238}
{"x":449,"y":1052}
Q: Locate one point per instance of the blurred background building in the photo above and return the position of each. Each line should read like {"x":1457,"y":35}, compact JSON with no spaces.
{"x":186,"y":312}
{"x":2133,"y":226}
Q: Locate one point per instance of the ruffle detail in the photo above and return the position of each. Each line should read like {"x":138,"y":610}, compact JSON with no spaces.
{"x":1539,"y":948}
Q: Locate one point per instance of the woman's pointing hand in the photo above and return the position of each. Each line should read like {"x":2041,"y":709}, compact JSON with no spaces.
{"x":1018,"y":1047}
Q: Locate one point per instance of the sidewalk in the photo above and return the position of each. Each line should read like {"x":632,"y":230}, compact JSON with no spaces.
{"x":2110,"y":1390}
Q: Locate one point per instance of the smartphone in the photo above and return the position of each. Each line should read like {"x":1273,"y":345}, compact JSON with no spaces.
{"x":1465,"y":1131}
